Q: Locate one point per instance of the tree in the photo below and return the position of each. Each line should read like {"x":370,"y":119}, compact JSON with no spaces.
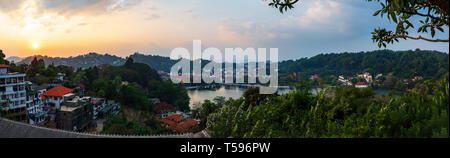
{"x":2,"y":58}
{"x":434,"y":14}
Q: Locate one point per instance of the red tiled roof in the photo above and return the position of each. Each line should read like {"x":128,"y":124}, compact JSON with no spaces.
{"x":4,"y":66}
{"x":186,"y":125}
{"x":178,"y":119}
{"x":168,"y":122}
{"x":57,"y":91}
{"x":360,"y":83}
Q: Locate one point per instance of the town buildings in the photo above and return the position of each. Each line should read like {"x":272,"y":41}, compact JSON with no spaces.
{"x":367,"y":77}
{"x":179,"y":122}
{"x":53,"y":99}
{"x":35,"y":112}
{"x":75,"y":113}
{"x":12,"y":94}
{"x":361,"y":85}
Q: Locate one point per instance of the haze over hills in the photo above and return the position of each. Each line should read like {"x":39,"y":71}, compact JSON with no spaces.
{"x":95,"y":59}
{"x":399,"y":63}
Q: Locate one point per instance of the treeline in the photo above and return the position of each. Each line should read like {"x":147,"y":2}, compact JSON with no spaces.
{"x":340,"y":112}
{"x":402,"y":64}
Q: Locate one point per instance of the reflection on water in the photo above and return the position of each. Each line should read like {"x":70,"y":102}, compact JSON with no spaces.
{"x":198,"y":96}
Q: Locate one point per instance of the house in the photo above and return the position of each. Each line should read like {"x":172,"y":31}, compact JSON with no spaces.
{"x":53,"y":99}
{"x":12,"y":94}
{"x":60,"y":77}
{"x":314,"y":77}
{"x":179,"y":122}
{"x":75,"y":114}
{"x":366,"y":76}
{"x":361,"y":85}
{"x":164,"y":109}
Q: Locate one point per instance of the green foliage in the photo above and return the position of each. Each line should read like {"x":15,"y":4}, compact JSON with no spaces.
{"x":347,"y":113}
{"x":434,"y":17}
{"x":403,"y":64}
{"x":120,"y":125}
{"x":134,"y":96}
{"x":2,"y":58}
{"x":174,"y":94}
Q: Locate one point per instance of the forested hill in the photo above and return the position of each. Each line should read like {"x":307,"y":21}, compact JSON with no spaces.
{"x":83,"y":61}
{"x":154,"y":61}
{"x":404,"y":64}
{"x":95,"y":59}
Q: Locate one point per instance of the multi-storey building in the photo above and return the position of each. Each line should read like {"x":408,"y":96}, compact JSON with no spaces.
{"x":36,"y":114}
{"x":53,"y":99}
{"x":75,"y":114}
{"x":12,"y":94}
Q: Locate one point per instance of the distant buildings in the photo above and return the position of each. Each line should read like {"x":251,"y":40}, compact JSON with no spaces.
{"x":361,"y":85}
{"x":345,"y":82}
{"x":60,"y":77}
{"x":367,"y":77}
{"x":314,"y":77}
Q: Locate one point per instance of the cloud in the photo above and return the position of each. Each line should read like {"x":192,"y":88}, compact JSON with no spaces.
{"x":320,"y":15}
{"x":45,"y":15}
{"x":9,"y":5}
{"x":248,"y":32}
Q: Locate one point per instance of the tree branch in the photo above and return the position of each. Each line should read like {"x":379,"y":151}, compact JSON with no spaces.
{"x":288,"y":4}
{"x":419,"y":38}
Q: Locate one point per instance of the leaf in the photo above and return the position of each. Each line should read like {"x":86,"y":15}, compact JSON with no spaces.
{"x":377,"y":12}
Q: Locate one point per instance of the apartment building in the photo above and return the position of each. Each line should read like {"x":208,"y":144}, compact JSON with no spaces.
{"x":12,"y":94}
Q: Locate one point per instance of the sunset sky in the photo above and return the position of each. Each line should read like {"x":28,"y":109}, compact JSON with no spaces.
{"x":121,"y":27}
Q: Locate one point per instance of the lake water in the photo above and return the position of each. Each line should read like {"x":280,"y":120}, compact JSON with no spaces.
{"x":198,"y":96}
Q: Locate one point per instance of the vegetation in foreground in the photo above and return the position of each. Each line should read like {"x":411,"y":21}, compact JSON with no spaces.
{"x":349,"y":113}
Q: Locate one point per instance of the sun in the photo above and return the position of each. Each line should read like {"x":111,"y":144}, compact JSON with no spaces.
{"x":35,"y":46}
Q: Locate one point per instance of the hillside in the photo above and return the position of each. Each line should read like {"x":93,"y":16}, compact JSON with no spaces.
{"x":94,"y":59}
{"x":404,"y":64}
{"x":83,"y":61}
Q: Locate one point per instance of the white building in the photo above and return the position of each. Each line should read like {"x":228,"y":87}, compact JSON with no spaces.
{"x":12,"y":94}
{"x":60,"y":77}
{"x":35,"y":112}
{"x":53,"y":99}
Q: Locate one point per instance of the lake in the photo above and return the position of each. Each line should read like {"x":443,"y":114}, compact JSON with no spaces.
{"x":198,"y":96}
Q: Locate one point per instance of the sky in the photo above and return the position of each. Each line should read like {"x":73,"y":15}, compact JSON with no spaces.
{"x":63,"y":28}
